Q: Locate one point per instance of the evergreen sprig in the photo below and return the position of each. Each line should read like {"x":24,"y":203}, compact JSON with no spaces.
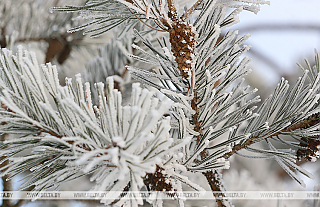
{"x":200,"y":74}
{"x":69,"y":137}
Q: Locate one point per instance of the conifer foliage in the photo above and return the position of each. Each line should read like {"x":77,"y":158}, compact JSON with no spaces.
{"x":203,"y":113}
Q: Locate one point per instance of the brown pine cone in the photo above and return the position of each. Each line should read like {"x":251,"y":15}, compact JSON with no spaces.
{"x":183,"y":42}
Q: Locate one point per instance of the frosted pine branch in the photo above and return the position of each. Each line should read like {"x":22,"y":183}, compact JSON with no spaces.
{"x":31,"y":27}
{"x":71,"y":138}
{"x":153,"y":14}
{"x":206,"y":114}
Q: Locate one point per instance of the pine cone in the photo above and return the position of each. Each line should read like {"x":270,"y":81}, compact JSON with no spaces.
{"x":183,"y":41}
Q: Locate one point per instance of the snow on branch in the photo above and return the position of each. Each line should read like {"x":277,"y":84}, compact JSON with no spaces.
{"x":25,"y":18}
{"x":157,"y":15}
{"x":69,"y":137}
{"x":288,"y":111}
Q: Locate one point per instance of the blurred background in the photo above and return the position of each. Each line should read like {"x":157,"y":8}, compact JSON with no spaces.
{"x":282,"y":34}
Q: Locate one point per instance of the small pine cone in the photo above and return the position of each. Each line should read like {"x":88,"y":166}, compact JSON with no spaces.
{"x":311,"y":151}
{"x":158,"y":181}
{"x":183,"y":42}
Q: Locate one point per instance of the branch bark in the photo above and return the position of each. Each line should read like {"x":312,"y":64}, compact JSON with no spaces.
{"x":311,"y":121}
{"x":173,"y":15}
{"x":214,"y":179}
{"x":211,"y":176}
{"x":191,"y":10}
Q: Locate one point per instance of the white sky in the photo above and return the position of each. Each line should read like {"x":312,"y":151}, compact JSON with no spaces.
{"x":284,"y":47}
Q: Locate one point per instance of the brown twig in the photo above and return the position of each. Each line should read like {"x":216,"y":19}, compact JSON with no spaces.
{"x":311,"y":121}
{"x":3,"y":42}
{"x":173,"y":14}
{"x":191,"y":10}
{"x":50,"y":132}
{"x":215,"y":185}
{"x":146,"y":23}
{"x":32,"y":39}
{"x":210,"y":175}
{"x":158,"y":181}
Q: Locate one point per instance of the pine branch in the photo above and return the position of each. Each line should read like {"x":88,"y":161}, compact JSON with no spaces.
{"x":306,"y":123}
{"x":214,"y":179}
{"x":190,"y":10}
{"x":172,"y":14}
{"x":111,"y":61}
{"x":194,"y":67}
{"x":211,"y":175}
{"x":29,"y":25}
{"x":292,"y":95}
{"x":87,"y":139}
{"x":206,"y":78}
